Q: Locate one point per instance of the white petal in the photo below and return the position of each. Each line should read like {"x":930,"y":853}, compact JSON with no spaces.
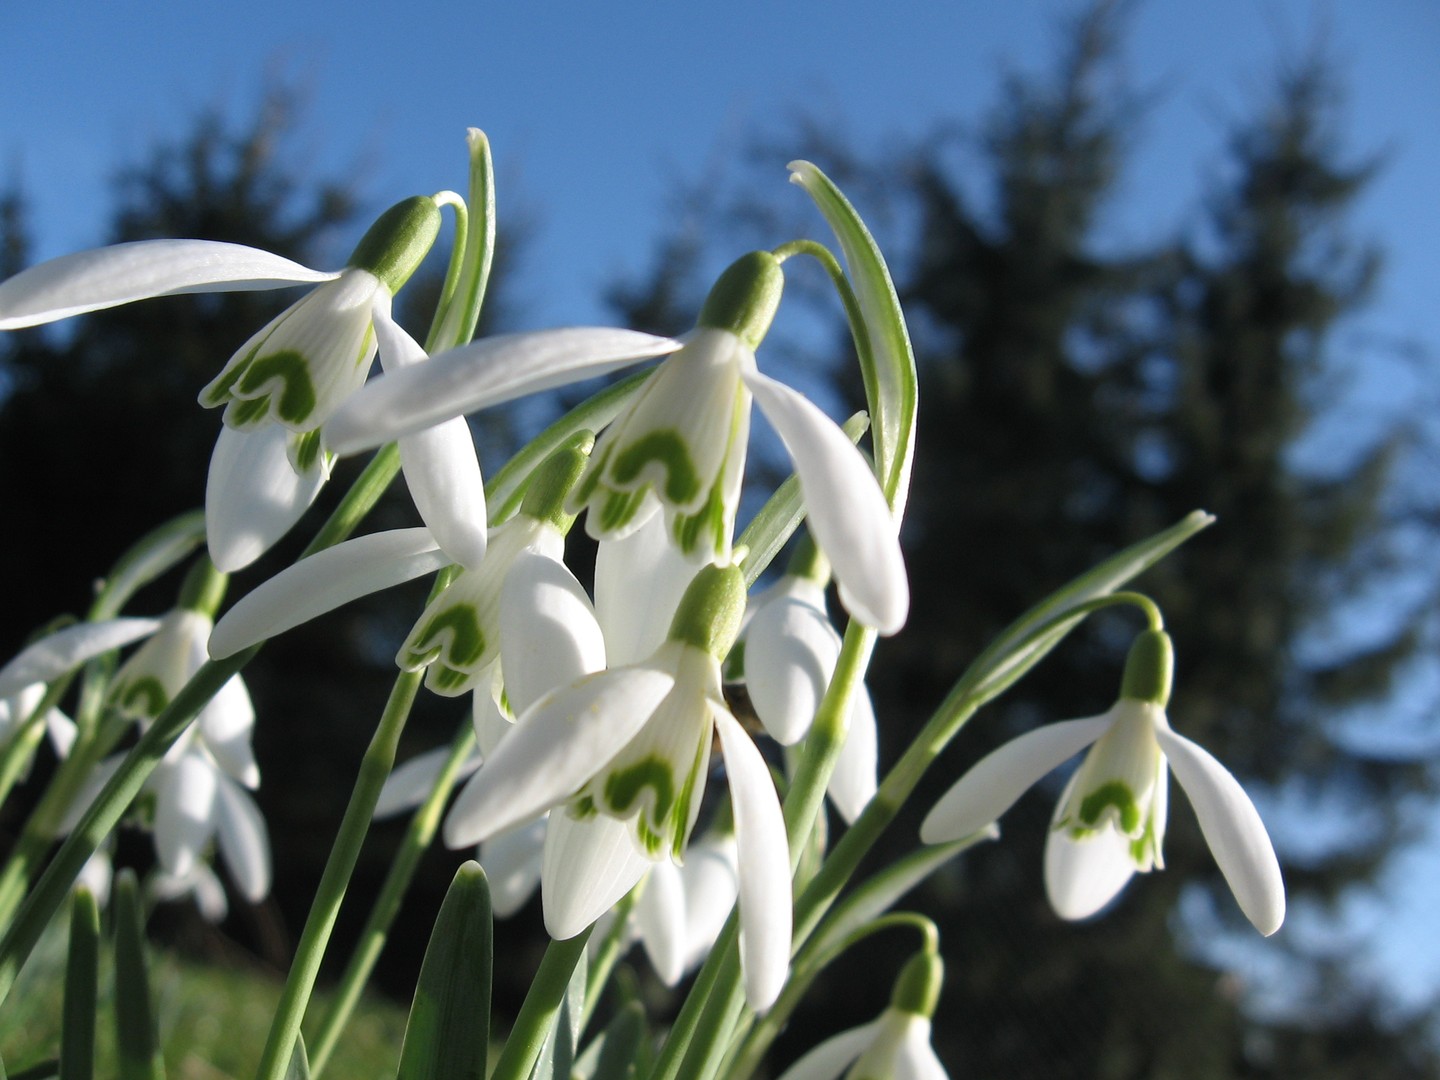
{"x":634,"y":616}
{"x":1082,"y":876}
{"x":1232,"y":828}
{"x":833,"y":1056}
{"x":484,"y":373}
{"x":548,"y":633}
{"x":184,"y":812}
{"x":201,"y":883}
{"x":512,"y":861}
{"x":97,"y":875}
{"x":62,"y":732}
{"x":915,"y":1058}
{"x":244,"y":840}
{"x":410,"y":783}
{"x":712,"y":883}
{"x":765,"y":899}
{"x":441,"y":468}
{"x":660,"y":919}
{"x":486,"y":713}
{"x":565,"y":738}
{"x":253,"y":494}
{"x":999,"y":778}
{"x":106,"y":277}
{"x":790,"y":655}
{"x":853,"y":783}
{"x":226,"y":725}
{"x":65,"y":650}
{"x":847,"y":512}
{"x":589,"y":866}
{"x":323,"y":582}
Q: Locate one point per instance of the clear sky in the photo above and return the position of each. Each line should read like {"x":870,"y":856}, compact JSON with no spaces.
{"x":596,"y":110}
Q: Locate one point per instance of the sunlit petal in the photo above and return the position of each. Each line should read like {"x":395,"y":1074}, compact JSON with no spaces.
{"x":637,"y":620}
{"x":184,"y":812}
{"x":999,"y":778}
{"x":108,"y":276}
{"x":484,"y":373}
{"x":1232,"y":828}
{"x":765,"y":899}
{"x":660,"y":919}
{"x":853,"y":783}
{"x":226,"y":725}
{"x":244,"y":841}
{"x":325,"y":581}
{"x":790,"y":655}
{"x":253,"y":494}
{"x":1083,"y":875}
{"x":548,"y":633}
{"x":915,"y":1058}
{"x":846,"y":510}
{"x":65,"y":650}
{"x":554,"y":748}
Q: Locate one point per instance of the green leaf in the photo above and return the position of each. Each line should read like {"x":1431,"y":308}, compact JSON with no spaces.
{"x":1029,"y":638}
{"x":152,"y":555}
{"x":448,"y":1033}
{"x":615,"y":1054}
{"x":557,"y":1057}
{"x":878,"y":895}
{"x":77,"y":1018}
{"x":137,"y":1038}
{"x":887,"y":361}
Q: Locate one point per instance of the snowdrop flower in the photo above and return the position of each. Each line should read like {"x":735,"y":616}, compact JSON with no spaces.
{"x":291,"y":373}
{"x":680,"y":444}
{"x":17,"y":709}
{"x":627,"y":750}
{"x":1110,"y":820}
{"x":790,"y":653}
{"x":896,"y":1046}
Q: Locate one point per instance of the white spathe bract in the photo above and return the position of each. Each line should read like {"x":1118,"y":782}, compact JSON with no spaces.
{"x":1110,"y":821}
{"x":896,"y":1047}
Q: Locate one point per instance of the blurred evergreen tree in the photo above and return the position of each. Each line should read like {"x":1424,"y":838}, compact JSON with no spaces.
{"x":1074,"y":399}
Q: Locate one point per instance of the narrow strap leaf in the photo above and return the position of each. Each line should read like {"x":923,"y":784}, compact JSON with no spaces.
{"x":77,"y":1020}
{"x":137,"y":1038}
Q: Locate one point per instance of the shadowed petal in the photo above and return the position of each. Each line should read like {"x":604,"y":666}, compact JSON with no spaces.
{"x":244,"y":840}
{"x":108,"y":276}
{"x":63,"y":651}
{"x":184,"y":812}
{"x":765,"y":900}
{"x":484,"y":373}
{"x":410,"y":783}
{"x":512,"y":861}
{"x":790,"y":654}
{"x":660,"y":918}
{"x":999,"y":778}
{"x":324,"y":581}
{"x":915,"y":1058}
{"x":589,"y":866}
{"x":1232,"y":828}
{"x":853,"y":783}
{"x":226,"y":725}
{"x":833,"y":1056}
{"x":1082,"y":876}
{"x":548,"y":633}
{"x":637,"y":621}
{"x":847,"y":512}
{"x":253,"y":495}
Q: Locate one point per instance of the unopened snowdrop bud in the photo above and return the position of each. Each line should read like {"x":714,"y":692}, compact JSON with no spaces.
{"x":917,"y":989}
{"x":393,"y":248}
{"x":711,"y":610}
{"x":745,"y":298}
{"x":551,"y":483}
{"x":1149,"y":669}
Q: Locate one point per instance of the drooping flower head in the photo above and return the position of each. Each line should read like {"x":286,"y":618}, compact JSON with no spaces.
{"x":1110,"y":821}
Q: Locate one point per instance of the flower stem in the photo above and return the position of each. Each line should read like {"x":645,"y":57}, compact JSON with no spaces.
{"x":542,"y":1005}
{"x":418,"y":838}
{"x":374,"y":768}
{"x":604,"y":957}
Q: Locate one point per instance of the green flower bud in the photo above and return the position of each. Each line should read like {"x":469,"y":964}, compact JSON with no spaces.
{"x":1149,"y":668}
{"x":552,"y":480}
{"x":745,"y":298}
{"x":710,"y":611}
{"x":394,"y":246}
{"x":917,"y":990}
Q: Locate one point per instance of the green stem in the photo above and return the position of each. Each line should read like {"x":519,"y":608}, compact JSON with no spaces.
{"x":418,"y":838}
{"x":542,"y":1005}
{"x":688,"y":1023}
{"x":605,"y":956}
{"x":375,"y":766}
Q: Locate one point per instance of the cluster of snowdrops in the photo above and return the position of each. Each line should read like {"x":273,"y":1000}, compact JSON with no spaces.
{"x":601,"y":760}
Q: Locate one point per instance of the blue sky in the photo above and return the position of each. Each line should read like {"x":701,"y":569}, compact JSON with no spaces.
{"x":595,"y":112}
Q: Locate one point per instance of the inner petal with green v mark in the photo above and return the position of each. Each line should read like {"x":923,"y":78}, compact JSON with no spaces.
{"x":669,"y":449}
{"x":295,"y":400}
{"x":1112,"y":795}
{"x":454,"y":632}
{"x":144,"y":696}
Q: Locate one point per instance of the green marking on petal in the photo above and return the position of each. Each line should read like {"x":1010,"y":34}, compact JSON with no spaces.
{"x":670,"y":449}
{"x":144,"y":697}
{"x":682,"y":805}
{"x":446,"y":680}
{"x":454,"y":632}
{"x":297,"y":395}
{"x":245,"y":412}
{"x":220,"y":388}
{"x":1112,"y":794}
{"x":619,"y":507}
{"x":583,"y":807}
{"x":710,"y":523}
{"x":624,"y":788}
{"x":307,"y":450}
